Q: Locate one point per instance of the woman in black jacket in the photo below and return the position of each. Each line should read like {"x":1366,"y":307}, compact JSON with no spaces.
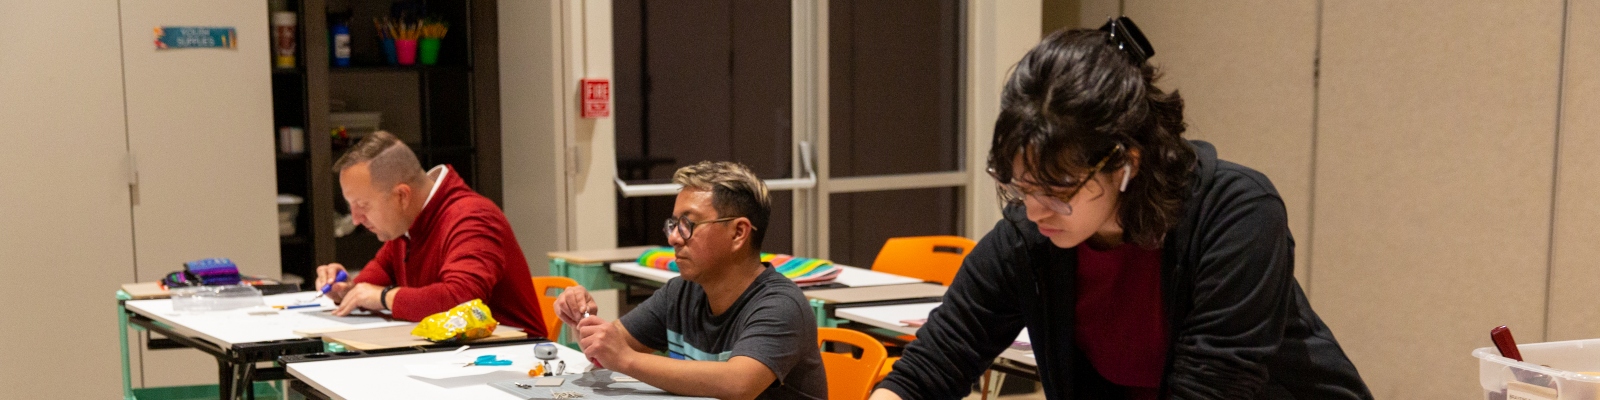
{"x":1141,"y":265}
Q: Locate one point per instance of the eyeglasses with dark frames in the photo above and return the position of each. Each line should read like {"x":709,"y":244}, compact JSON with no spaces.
{"x":1059,"y":202}
{"x":685,"y":228}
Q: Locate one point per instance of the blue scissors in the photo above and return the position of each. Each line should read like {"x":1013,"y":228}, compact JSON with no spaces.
{"x":488,"y":360}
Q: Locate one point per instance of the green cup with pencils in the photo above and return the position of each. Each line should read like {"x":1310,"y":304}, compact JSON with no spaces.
{"x":428,"y":46}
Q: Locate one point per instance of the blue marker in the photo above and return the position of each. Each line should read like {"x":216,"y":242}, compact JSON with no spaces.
{"x":307,"y":305}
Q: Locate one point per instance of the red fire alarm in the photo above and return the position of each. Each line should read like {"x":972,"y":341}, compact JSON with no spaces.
{"x":596,"y":97}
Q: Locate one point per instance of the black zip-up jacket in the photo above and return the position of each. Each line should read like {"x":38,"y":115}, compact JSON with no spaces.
{"x":1239,"y":325}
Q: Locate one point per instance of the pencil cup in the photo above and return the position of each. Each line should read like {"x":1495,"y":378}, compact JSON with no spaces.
{"x":429,"y":50}
{"x":406,"y":51}
{"x":388,"y":52}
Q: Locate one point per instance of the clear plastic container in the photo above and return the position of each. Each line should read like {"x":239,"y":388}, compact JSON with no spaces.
{"x":1567,"y":370}
{"x":215,"y":298}
{"x":288,"y":210}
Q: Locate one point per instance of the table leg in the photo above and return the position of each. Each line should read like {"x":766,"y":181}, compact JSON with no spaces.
{"x":224,"y":379}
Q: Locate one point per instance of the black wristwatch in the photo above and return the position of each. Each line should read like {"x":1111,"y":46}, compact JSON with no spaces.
{"x":383,"y":298}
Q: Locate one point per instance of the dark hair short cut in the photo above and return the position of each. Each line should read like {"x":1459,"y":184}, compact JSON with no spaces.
{"x":1070,"y":102}
{"x":735,"y":192}
{"x":392,"y":161}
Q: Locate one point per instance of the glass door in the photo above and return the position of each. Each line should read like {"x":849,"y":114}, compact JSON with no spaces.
{"x":850,"y":110}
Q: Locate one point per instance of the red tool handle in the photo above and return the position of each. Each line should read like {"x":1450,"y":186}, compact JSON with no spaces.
{"x":1504,"y":342}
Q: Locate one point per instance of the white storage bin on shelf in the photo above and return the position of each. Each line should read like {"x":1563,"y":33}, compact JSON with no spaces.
{"x":1567,"y":370}
{"x":358,"y":123}
{"x":288,"y":210}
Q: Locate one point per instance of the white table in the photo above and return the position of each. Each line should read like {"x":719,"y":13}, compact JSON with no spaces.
{"x":238,"y":339}
{"x":889,"y":317}
{"x":849,"y":276}
{"x":227,"y":328}
{"x":389,"y":377}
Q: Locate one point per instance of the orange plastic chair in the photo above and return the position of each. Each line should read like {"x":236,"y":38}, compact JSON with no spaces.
{"x":929,"y":258}
{"x":850,"y":378}
{"x":883,"y":372}
{"x":544,"y":285}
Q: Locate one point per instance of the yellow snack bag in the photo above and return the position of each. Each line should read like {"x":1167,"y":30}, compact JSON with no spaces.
{"x":470,"y":320}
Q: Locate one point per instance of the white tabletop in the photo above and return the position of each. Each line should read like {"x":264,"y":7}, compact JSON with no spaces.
{"x":391,"y":377}
{"x":889,"y":317}
{"x":226,"y":328}
{"x":850,"y":276}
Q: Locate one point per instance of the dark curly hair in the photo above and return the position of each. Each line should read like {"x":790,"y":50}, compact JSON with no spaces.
{"x":1070,"y":102}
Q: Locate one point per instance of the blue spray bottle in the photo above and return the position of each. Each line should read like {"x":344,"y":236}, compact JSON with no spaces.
{"x":341,"y":43}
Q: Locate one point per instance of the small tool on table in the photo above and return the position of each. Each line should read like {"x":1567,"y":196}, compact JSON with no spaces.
{"x":329,"y":286}
{"x":297,"y":305}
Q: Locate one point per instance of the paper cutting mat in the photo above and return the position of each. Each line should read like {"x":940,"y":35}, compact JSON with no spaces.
{"x":597,"y":384}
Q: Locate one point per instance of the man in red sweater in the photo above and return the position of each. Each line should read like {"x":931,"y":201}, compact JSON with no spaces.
{"x":443,"y":243}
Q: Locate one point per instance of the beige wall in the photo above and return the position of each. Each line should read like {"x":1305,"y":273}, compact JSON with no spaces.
{"x":1254,"y":104}
{"x":531,"y":127}
{"x":1574,"y":271}
{"x":998,"y":34}
{"x":1417,"y":169}
{"x":592,"y":159}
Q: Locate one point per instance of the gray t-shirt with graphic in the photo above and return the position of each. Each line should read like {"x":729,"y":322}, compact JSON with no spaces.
{"x":771,"y":323}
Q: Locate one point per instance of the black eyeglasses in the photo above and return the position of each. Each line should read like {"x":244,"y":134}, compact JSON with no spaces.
{"x":685,"y":228}
{"x":1128,"y":38}
{"x":1059,"y":202}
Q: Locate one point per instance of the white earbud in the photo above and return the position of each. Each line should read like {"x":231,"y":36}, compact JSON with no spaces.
{"x":1127,"y":172}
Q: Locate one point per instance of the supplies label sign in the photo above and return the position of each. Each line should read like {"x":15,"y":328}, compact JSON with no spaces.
{"x":195,"y":37}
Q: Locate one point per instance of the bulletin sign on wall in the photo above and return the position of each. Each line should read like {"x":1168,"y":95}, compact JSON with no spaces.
{"x":195,"y":37}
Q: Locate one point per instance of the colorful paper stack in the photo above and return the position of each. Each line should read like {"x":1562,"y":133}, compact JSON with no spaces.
{"x":659,"y":258}
{"x":799,"y":269}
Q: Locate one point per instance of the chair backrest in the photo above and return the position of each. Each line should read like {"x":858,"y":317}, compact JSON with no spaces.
{"x":548,"y":287}
{"x":850,"y":378}
{"x":929,"y":258}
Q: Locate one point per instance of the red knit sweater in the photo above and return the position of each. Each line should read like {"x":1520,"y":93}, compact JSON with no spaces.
{"x":460,"y":248}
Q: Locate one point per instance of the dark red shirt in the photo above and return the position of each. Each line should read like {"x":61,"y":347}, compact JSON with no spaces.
{"x":460,"y":248}
{"x":1120,"y":324}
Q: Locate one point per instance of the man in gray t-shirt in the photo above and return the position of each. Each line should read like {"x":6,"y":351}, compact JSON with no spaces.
{"x":732,"y":326}
{"x":771,"y":323}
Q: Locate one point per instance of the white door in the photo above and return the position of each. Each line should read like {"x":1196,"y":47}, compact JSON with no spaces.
{"x":201,"y":134}
{"x":66,"y":239}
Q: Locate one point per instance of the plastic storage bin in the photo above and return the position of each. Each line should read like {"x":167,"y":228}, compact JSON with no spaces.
{"x":1567,"y":370}
{"x":288,"y":210}
{"x":215,"y":298}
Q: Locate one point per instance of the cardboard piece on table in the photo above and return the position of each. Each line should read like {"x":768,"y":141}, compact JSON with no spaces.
{"x":319,"y":332}
{"x":877,"y":293}
{"x":400,"y":336}
{"x":600,"y":256}
{"x":145,"y":291}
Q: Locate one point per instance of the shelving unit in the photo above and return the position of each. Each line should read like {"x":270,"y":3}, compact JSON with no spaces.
{"x":449,"y":113}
